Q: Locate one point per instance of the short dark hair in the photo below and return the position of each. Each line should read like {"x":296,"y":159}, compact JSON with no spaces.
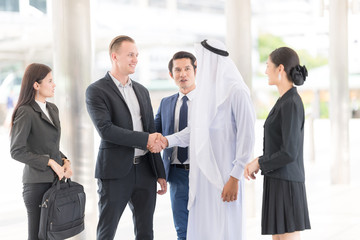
{"x":290,"y":60}
{"x":117,"y":41}
{"x":180,"y":55}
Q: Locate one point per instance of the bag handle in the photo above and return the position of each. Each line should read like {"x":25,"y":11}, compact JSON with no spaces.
{"x":57,"y":182}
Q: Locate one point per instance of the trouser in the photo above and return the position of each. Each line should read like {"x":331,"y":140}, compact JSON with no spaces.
{"x":33,"y":194}
{"x":138,"y":190}
{"x":179,"y":195}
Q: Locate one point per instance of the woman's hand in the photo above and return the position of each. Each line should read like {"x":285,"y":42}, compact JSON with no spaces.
{"x":59,"y":170}
{"x":67,"y":168}
{"x":251,"y":169}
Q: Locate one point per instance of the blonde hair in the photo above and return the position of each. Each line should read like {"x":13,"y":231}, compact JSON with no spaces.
{"x":117,"y":41}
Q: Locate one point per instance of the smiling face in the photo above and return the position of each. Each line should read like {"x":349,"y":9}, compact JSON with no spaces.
{"x":272,"y":71}
{"x":183,"y":74}
{"x":125,"y":58}
{"x":45,"y":89}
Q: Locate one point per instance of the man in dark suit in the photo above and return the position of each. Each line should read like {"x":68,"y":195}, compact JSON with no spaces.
{"x":127,"y":172}
{"x":170,"y":118}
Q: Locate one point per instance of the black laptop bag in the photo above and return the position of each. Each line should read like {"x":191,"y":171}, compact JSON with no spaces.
{"x":62,"y":211}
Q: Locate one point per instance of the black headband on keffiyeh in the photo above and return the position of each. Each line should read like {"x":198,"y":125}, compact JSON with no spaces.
{"x":214,"y":50}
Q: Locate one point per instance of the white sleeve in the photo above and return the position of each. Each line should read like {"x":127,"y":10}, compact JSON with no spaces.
{"x":180,"y":139}
{"x":244,"y":114}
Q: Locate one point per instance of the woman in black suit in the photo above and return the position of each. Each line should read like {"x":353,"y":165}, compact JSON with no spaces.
{"x":35,"y":138}
{"x":284,"y":210}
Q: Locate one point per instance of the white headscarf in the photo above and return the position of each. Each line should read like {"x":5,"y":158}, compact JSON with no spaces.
{"x":216,"y":76}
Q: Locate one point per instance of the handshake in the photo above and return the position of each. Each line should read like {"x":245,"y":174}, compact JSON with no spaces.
{"x":156,"y":142}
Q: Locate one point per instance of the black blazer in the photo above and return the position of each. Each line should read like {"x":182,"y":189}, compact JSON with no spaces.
{"x":34,"y":140}
{"x":284,"y":138}
{"x":112,"y":119}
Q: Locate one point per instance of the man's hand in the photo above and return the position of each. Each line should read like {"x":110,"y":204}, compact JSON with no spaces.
{"x":230,"y":190}
{"x":163,"y":186}
{"x":251,"y":169}
{"x":156,"y":143}
{"x":164,"y":141}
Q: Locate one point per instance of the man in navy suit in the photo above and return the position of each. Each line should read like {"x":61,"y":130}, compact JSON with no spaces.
{"x":127,"y":172}
{"x":172,"y":117}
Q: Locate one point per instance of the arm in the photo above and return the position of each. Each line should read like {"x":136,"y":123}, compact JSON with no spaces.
{"x":155,"y":125}
{"x":244,"y":115}
{"x":181,"y":139}
{"x":291,"y":130}
{"x":18,"y":145}
{"x":18,"y":142}
{"x":100,"y":115}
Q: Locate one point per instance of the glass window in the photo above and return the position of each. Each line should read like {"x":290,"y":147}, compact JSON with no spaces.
{"x":9,"y":5}
{"x":39,"y":4}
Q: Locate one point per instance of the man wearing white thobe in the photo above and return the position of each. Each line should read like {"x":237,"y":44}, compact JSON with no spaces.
{"x":220,"y":137}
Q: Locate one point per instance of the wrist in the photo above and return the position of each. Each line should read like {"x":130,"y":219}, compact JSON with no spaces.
{"x":50,"y":162}
{"x":233,"y":179}
{"x":257,"y":162}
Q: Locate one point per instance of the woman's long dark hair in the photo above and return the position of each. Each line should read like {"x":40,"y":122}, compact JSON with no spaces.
{"x":35,"y":72}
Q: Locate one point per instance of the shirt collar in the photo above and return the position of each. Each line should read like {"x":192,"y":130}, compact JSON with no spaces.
{"x":41,"y":104}
{"x":118,"y":83}
{"x":190,"y":95}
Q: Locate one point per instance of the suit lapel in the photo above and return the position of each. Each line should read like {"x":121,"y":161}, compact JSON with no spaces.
{"x":172,"y":112}
{"x":54,"y":116}
{"x":115,"y":88}
{"x":37,"y":108}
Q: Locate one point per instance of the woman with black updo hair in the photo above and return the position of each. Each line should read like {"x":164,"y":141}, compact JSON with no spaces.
{"x":284,"y":210}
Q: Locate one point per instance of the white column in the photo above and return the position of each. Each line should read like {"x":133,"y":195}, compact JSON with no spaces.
{"x":73,"y":58}
{"x":339,"y":91}
{"x":238,"y":36}
{"x":171,"y":5}
{"x":239,"y":45}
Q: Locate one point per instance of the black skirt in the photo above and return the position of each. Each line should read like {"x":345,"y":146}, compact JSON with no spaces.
{"x":284,"y":207}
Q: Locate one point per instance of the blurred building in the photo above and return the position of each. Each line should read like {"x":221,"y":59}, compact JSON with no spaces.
{"x":162,"y":27}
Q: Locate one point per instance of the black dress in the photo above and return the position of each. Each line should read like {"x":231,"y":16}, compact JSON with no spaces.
{"x":284,"y":198}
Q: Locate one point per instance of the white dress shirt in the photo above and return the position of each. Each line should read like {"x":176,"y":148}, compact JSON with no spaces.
{"x":179,"y":102}
{"x":42,"y":105}
{"x":132,"y":102}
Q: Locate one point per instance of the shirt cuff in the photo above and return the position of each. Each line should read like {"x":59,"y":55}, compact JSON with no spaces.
{"x":171,"y":141}
{"x":237,"y":172}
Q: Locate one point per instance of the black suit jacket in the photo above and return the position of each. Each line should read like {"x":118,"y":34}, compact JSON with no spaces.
{"x":112,"y":119}
{"x":284,"y":138}
{"x":35,"y":139}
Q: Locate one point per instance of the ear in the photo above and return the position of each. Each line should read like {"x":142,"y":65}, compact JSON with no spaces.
{"x":113,"y":56}
{"x":281,"y":68}
{"x":36,"y":86}
{"x":171,"y":75}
